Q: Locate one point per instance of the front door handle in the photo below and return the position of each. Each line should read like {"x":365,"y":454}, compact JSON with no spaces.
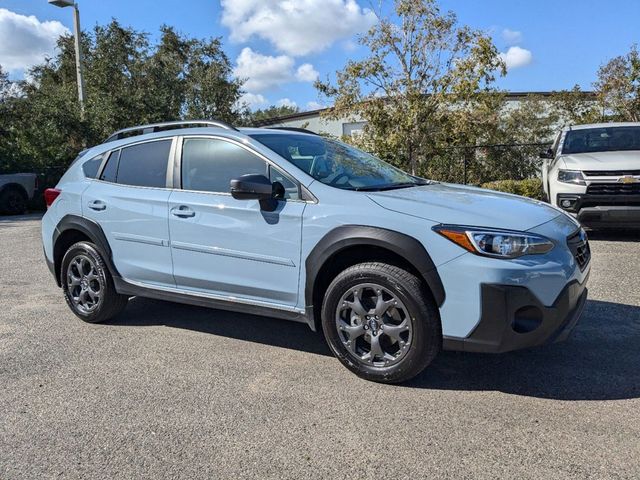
{"x":97,"y":205}
{"x":183,"y":212}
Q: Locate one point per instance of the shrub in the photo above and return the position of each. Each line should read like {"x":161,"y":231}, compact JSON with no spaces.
{"x":531,"y":187}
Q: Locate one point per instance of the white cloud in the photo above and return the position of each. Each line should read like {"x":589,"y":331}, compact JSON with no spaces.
{"x":516,"y":57}
{"x":253,"y":100}
{"x":349,"y":46}
{"x":296,"y":27}
{"x":262,"y":72}
{"x":312,"y":105}
{"x":306,"y":73}
{"x":26,"y":41}
{"x":511,"y":37}
{"x":286,"y":102}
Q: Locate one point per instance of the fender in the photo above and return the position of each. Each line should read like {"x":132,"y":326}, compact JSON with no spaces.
{"x":92,"y":230}
{"x":17,"y":186}
{"x":349,"y":235}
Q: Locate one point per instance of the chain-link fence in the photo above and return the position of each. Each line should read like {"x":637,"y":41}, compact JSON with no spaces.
{"x":481,"y":164}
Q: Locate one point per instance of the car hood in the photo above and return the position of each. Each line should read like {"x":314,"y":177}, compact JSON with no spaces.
{"x":629,"y":160}
{"x":462,"y":205}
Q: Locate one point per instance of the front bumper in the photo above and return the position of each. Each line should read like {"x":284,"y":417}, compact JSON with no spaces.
{"x":601,"y":211}
{"x":513,"y":318}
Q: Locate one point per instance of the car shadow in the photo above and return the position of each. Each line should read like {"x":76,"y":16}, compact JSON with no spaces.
{"x":8,"y":220}
{"x":615,"y":235}
{"x":600,"y":361}
{"x":251,"y":328}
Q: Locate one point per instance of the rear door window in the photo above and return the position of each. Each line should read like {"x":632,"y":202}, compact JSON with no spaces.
{"x":145,"y":164}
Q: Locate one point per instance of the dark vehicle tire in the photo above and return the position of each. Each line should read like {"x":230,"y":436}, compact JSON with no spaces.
{"x":88,"y":286}
{"x":13,"y":201}
{"x":381,"y":322}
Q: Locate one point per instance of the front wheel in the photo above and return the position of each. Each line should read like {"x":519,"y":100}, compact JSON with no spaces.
{"x":88,"y":286}
{"x":381,"y":323}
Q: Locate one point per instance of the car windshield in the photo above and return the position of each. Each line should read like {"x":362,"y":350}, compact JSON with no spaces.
{"x":607,"y":139}
{"x":337,"y":164}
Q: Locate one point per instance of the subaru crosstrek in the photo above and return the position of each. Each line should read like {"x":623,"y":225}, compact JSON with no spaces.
{"x":289,"y":224}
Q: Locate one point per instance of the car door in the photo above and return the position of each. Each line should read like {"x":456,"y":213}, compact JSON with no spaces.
{"x":228,"y":247}
{"x":129,"y":200}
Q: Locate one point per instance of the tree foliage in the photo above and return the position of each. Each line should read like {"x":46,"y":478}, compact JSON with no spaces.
{"x":417,"y":68}
{"x":129,"y":81}
{"x":254,"y":118}
{"x":618,"y":86}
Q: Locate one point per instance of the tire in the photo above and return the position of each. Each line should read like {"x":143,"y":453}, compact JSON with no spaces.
{"x":13,"y":201}
{"x":84,"y":270}
{"x":400,"y":300}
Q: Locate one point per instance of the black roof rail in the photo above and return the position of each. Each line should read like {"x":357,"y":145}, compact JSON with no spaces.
{"x":291,"y":129}
{"x":157,"y":127}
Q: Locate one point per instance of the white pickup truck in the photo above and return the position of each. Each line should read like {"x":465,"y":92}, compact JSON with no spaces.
{"x":15,"y":192}
{"x":593,"y":172}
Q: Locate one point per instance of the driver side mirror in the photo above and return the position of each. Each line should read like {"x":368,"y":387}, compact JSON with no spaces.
{"x":548,"y":154}
{"x":251,"y":187}
{"x":256,"y":187}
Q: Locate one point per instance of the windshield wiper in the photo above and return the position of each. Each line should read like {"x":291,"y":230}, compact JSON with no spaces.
{"x":389,"y":186}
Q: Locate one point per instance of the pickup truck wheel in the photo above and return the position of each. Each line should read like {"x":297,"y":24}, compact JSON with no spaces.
{"x":88,"y":286}
{"x":381,"y":323}
{"x":13,"y":201}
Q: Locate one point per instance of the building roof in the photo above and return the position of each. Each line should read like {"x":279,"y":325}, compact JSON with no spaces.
{"x":511,"y":96}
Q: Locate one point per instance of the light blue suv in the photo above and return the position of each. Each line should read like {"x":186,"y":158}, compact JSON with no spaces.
{"x":285,"y":223}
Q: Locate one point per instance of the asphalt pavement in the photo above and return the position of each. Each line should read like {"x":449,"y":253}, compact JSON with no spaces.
{"x":174,"y":391}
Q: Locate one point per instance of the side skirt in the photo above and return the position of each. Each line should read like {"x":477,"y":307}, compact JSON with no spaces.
{"x":124,"y":287}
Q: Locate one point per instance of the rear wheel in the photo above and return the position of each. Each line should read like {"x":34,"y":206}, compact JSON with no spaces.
{"x":13,"y":201}
{"x":381,"y":323}
{"x":88,"y":286}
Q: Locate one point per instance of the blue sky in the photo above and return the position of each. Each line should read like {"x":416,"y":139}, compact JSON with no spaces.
{"x":282,"y":45}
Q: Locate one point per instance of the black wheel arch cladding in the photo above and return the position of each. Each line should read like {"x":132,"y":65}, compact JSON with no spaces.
{"x":347,"y":236}
{"x":92,"y":231}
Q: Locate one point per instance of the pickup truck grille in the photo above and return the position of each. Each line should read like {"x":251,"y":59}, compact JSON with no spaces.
{"x":614,"y":189}
{"x":579,"y":246}
{"x":610,"y":173}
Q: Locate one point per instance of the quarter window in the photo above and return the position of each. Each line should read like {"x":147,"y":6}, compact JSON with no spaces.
{"x":291,"y":191}
{"x":110,"y":170}
{"x":144,"y":165}
{"x":91,"y":167}
{"x":209,"y":165}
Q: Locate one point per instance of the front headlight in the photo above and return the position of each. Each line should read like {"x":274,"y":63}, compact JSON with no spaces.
{"x":571,"y":176}
{"x":495,"y":243}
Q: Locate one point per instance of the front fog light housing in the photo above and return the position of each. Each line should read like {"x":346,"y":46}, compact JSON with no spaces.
{"x":567,"y":203}
{"x":496,"y":243}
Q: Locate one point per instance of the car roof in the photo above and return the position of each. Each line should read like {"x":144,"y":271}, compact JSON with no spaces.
{"x":602,"y":125}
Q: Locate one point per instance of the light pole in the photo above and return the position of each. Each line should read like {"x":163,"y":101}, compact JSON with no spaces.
{"x":76,"y":27}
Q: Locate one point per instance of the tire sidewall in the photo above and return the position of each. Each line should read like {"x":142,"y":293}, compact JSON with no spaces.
{"x":17,"y":209}
{"x":419,"y":317}
{"x":88,"y":249}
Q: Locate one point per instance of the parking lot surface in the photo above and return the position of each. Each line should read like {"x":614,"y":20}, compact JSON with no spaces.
{"x":173,"y":391}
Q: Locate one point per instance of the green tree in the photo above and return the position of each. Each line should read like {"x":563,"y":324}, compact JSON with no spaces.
{"x":575,"y":106}
{"x":618,"y":86}
{"x":253,"y":118}
{"x":129,"y":81}
{"x":421,"y":64}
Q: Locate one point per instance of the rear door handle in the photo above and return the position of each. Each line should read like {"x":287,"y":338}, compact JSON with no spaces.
{"x":97,"y":205}
{"x":183,"y":212}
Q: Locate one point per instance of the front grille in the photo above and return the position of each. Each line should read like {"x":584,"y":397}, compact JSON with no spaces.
{"x":579,"y":246}
{"x":610,"y":173}
{"x":614,"y":189}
